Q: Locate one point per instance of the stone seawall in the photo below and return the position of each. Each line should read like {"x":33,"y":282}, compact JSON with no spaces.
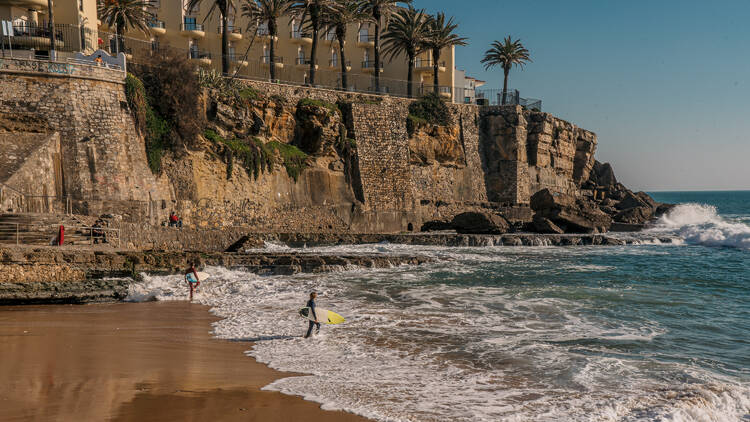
{"x":486,"y":158}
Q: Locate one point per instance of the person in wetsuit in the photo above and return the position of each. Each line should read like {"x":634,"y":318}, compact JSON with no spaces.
{"x":311,"y":305}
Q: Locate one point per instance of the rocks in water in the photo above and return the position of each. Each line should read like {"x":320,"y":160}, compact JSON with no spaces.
{"x":436,"y":226}
{"x":480,"y":223}
{"x":636,"y":215}
{"x":662,"y":209}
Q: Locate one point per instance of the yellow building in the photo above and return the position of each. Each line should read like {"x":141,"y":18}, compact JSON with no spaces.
{"x":200,"y":37}
{"x":75,"y":25}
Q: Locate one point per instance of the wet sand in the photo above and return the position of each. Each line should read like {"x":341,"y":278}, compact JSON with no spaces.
{"x":134,"y":362}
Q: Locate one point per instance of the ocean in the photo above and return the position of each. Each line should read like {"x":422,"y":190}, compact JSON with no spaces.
{"x":647,"y":332}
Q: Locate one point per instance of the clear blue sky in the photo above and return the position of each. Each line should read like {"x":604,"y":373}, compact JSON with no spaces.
{"x":664,"y":83}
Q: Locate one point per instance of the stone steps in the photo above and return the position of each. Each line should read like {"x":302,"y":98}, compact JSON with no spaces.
{"x":41,"y":229}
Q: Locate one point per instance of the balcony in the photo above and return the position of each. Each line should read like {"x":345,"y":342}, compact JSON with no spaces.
{"x":235,"y":33}
{"x":336,"y":65}
{"x":368,"y":66}
{"x":265,"y":35}
{"x":427,"y":66}
{"x":192,"y":30}
{"x":301,"y":38}
{"x":304,"y":63}
{"x":40,"y":5}
{"x":330,"y":38}
{"x":238,"y":60}
{"x":445,"y":91}
{"x":365,"y":40}
{"x":202,"y":57}
{"x":157,"y":27}
{"x":278,"y":61}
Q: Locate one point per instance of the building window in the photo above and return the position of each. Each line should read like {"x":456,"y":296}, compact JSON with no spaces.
{"x":80,"y":5}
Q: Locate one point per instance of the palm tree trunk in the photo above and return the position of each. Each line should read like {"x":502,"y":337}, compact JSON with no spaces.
{"x":505,"y":86}
{"x":120,"y":38}
{"x":224,"y":42}
{"x":51,"y":10}
{"x":272,"y":49}
{"x":376,"y":15}
{"x":409,"y":84}
{"x":315,"y":21}
{"x":117,"y":40}
{"x":341,"y":35}
{"x":436,"y":68}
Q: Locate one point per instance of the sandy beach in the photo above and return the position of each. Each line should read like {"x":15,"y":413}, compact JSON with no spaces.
{"x":134,"y":362}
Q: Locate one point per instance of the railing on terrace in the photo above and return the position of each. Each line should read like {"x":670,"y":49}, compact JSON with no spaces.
{"x":200,"y":54}
{"x":232,"y":29}
{"x":365,"y":38}
{"x":68,"y":38}
{"x":263,"y":32}
{"x":513,"y":97}
{"x":267,"y":60}
{"x":337,"y":63}
{"x":304,"y":61}
{"x":191,"y":26}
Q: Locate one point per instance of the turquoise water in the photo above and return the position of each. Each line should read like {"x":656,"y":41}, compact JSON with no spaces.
{"x":646,"y":332}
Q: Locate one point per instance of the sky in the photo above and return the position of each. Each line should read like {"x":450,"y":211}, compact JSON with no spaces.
{"x":665,"y":84}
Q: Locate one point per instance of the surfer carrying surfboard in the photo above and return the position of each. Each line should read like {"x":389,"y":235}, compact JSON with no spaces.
{"x":314,"y":320}
{"x":191,"y":278}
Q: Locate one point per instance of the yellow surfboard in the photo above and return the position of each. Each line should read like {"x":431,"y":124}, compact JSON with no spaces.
{"x":324,"y":316}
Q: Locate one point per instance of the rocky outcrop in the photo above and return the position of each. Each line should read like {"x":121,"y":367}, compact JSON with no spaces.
{"x":568,"y":213}
{"x":479,"y":223}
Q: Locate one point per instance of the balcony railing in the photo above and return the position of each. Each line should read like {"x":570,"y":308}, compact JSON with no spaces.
{"x":267,"y":59}
{"x":337,"y":63}
{"x":263,"y":32}
{"x":157,"y":24}
{"x":369,"y":64}
{"x":329,"y":36}
{"x":365,"y":38}
{"x":232,"y":29}
{"x":421,"y":63}
{"x":194,"y":54}
{"x":298,"y":35}
{"x":304,"y":61}
{"x":191,"y":26}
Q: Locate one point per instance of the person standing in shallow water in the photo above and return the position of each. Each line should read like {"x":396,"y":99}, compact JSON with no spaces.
{"x":311,"y":305}
{"x":191,"y":278}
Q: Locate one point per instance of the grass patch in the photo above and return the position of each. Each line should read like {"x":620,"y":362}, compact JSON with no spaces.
{"x":249,"y":94}
{"x":309,"y":102}
{"x":430,"y":109}
{"x":256,"y":157}
{"x":294,"y":159}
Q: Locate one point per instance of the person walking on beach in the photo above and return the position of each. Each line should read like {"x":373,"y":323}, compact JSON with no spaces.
{"x":191,"y":278}
{"x":311,"y":305}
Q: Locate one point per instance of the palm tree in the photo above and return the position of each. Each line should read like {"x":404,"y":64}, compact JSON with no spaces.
{"x":441,"y":36}
{"x":506,"y":54}
{"x":225,"y":7}
{"x":381,"y":12}
{"x":121,"y":14}
{"x":406,"y":34}
{"x":312,"y":12}
{"x":337,"y":17}
{"x":269,"y":12}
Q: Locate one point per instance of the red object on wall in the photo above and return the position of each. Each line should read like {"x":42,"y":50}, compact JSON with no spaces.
{"x":61,"y":236}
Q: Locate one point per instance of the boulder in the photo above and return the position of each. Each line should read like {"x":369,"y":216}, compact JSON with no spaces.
{"x":637,"y":215}
{"x":647,"y":199}
{"x":631,"y":200}
{"x":575,"y":216}
{"x":546,"y":199}
{"x":480,"y":223}
{"x":662,"y":209}
{"x":545,"y":226}
{"x":603,"y":174}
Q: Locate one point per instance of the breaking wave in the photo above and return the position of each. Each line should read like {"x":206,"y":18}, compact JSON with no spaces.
{"x":701,"y":224}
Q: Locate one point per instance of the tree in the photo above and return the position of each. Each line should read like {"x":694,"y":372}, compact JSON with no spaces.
{"x":381,"y":12}
{"x":121,"y":14}
{"x":267,"y":11}
{"x":337,"y":17}
{"x":406,"y":34}
{"x":441,"y":36}
{"x":506,"y":54}
{"x":311,"y":12}
{"x":225,"y":7}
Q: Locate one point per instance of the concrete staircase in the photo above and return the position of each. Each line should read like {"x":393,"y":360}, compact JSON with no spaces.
{"x":41,"y":229}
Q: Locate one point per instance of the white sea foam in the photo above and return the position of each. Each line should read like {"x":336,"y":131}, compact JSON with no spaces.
{"x":702,"y":225}
{"x":413,"y":350}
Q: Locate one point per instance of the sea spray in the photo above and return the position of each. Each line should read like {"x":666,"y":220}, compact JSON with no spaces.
{"x":701,"y":224}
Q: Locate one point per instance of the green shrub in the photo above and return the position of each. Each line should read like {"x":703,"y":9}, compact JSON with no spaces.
{"x":153,"y":127}
{"x":256,"y":156}
{"x":431,"y":108}
{"x":294,"y":159}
